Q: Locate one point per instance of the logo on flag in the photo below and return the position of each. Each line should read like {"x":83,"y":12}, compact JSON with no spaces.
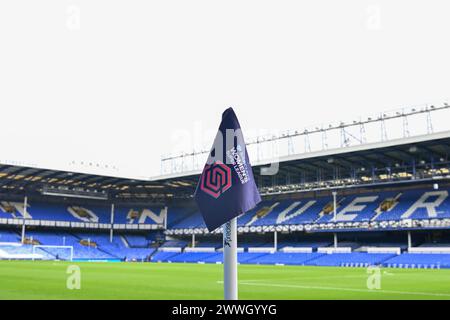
{"x":227,"y":187}
{"x":216,"y":179}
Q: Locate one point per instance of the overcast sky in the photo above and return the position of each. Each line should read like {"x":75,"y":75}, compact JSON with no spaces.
{"x":120,"y":82}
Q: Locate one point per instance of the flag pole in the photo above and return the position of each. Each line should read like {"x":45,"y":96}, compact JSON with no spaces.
{"x":230,"y":286}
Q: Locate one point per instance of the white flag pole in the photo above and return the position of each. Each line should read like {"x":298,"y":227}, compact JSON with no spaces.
{"x":230,"y":286}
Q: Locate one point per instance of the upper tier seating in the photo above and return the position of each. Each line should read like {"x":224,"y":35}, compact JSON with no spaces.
{"x":177,"y":214}
{"x":77,"y":213}
{"x":381,"y":206}
{"x":192,"y":221}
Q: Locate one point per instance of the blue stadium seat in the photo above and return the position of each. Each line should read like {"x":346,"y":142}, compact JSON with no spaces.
{"x":311,"y":213}
{"x":341,"y":259}
{"x":62,"y":212}
{"x":429,"y":260}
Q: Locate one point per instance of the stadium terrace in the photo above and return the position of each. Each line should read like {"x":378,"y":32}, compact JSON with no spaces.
{"x":384,"y":203}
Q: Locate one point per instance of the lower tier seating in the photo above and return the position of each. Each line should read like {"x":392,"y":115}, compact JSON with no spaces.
{"x":99,"y":248}
{"x":414,"y":260}
{"x":357,"y":259}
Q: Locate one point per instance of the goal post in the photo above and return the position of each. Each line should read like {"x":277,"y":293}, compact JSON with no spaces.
{"x":70,"y":248}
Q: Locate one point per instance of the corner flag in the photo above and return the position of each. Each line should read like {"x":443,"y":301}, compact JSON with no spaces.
{"x":226,"y":188}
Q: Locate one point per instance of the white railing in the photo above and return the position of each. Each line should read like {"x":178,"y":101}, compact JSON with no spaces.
{"x":330,"y":250}
{"x":170,"y":249}
{"x":201,"y":249}
{"x":262,"y":249}
{"x":429,"y":250}
{"x":297,"y":250}
{"x":394,"y":250}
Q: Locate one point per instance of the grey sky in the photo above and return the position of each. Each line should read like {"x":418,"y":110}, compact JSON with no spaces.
{"x":115,"y":82}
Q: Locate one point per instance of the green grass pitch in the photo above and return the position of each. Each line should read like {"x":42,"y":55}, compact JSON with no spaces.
{"x":47,"y":280}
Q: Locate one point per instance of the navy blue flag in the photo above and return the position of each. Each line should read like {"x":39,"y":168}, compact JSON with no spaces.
{"x":227,"y":187}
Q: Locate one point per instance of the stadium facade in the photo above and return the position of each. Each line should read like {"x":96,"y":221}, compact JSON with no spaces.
{"x":384,"y":203}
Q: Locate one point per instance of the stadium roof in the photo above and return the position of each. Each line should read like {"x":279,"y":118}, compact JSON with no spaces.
{"x":425,"y":148}
{"x":424,"y":151}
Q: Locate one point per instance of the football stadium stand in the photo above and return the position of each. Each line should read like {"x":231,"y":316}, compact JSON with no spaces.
{"x":384,"y":204}
{"x":361,"y":212}
{"x":416,"y":205}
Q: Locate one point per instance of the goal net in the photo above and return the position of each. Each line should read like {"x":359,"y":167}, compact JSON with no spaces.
{"x":53,"y":252}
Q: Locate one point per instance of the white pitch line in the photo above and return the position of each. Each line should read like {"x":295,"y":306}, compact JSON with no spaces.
{"x":362,"y":276}
{"x":346,"y":289}
{"x":357,"y":276}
